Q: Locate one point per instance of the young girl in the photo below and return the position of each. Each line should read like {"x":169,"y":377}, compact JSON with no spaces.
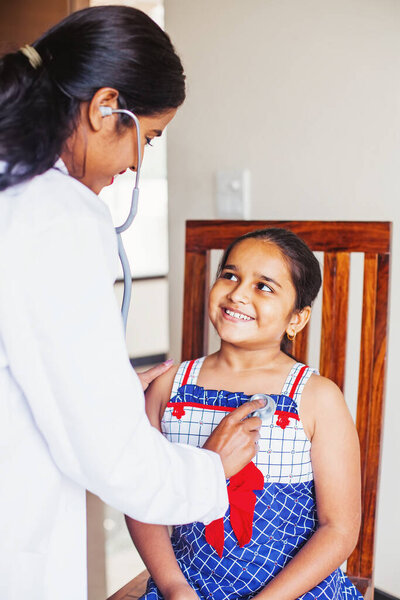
{"x":295,"y":510}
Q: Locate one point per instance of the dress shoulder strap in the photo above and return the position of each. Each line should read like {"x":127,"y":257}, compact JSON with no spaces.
{"x":188,"y":372}
{"x":296,"y":380}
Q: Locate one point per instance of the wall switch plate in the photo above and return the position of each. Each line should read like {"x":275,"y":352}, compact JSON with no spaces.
{"x":233,"y":193}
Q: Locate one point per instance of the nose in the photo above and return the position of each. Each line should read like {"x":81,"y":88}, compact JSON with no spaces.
{"x":239,"y":294}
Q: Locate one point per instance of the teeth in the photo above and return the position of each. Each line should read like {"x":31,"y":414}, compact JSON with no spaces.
{"x":237,"y":315}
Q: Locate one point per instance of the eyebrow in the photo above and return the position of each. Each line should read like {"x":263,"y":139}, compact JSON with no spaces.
{"x":258,"y":275}
{"x":157,"y":132}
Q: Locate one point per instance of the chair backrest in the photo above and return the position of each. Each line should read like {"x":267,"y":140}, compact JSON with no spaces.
{"x":337,"y":240}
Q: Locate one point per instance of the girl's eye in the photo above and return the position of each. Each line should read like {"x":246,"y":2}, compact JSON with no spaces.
{"x":148,"y":141}
{"x":228,"y":275}
{"x":264,"y":287}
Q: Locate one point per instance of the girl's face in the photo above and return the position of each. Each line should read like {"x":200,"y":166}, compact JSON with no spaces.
{"x":252,"y":302}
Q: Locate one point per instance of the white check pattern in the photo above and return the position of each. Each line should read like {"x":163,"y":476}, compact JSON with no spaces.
{"x":284,"y":454}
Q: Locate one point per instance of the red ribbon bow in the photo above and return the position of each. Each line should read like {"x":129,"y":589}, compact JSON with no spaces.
{"x":242,"y":500}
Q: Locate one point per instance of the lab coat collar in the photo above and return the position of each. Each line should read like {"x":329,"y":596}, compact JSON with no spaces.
{"x":60,"y":165}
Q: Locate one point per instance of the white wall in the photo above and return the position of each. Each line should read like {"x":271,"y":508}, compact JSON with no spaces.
{"x":147,"y":328}
{"x":306,"y":94}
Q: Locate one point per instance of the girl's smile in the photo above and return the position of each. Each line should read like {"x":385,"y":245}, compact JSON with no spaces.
{"x":236,"y":315}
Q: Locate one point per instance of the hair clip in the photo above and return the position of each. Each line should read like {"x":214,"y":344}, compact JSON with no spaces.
{"x":32,"y":55}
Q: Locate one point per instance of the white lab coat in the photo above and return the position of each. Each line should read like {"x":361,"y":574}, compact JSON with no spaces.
{"x":71,"y":407}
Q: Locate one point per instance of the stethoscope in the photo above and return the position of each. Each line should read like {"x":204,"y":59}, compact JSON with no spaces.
{"x":266,"y":414}
{"x":107,"y":111}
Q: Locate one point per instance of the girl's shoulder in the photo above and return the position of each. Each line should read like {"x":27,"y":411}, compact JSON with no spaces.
{"x":322,"y":402}
{"x":321,"y":394}
{"x":321,"y":387}
{"x":162,"y":385}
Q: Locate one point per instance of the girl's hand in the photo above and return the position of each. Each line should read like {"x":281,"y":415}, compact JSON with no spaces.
{"x":146,"y":377}
{"x":235,"y":439}
{"x":181,"y":591}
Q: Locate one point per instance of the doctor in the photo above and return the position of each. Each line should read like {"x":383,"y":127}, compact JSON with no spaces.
{"x":71,"y":408}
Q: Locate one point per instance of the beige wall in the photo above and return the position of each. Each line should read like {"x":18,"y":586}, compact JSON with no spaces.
{"x":306,"y":94}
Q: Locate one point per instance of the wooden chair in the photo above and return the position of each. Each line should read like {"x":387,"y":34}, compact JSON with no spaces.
{"x":337,"y":240}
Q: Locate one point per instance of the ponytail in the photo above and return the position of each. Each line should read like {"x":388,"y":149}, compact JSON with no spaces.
{"x":105,"y":46}
{"x":35,"y":119}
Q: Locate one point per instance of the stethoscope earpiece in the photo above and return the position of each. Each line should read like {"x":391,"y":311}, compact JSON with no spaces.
{"x":106,"y":111}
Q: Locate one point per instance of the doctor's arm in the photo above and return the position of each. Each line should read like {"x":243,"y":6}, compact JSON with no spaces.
{"x":336,"y":466}
{"x":69,"y":357}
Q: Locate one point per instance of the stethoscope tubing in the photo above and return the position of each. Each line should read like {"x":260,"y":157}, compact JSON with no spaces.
{"x":127,"y":274}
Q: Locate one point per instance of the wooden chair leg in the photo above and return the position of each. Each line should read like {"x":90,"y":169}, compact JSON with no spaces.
{"x":364,"y":586}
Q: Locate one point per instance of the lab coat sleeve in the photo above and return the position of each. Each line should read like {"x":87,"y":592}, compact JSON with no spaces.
{"x":63,"y":335}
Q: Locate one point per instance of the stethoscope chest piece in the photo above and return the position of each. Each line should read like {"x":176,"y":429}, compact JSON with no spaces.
{"x":266,"y":414}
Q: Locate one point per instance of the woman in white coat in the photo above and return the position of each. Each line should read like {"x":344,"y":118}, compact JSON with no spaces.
{"x":71,"y":408}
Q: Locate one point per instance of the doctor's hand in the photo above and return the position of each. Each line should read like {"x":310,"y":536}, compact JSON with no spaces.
{"x":236,"y":437}
{"x":146,"y":377}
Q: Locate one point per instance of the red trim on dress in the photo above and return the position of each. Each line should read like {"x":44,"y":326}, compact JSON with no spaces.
{"x":179,"y":407}
{"x":297,"y":380}
{"x":187,"y":373}
{"x":179,"y":411}
{"x":283,"y":418}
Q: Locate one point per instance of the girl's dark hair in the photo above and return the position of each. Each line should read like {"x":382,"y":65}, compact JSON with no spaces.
{"x":304,"y":267}
{"x":105,"y":46}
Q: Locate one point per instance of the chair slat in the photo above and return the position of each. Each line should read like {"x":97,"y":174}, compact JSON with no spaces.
{"x":334,"y":316}
{"x":370,"y":403}
{"x":195,"y":332}
{"x":376,"y":414}
{"x":365,"y":385}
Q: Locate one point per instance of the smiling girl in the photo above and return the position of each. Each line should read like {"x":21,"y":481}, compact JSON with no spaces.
{"x":294,"y":511}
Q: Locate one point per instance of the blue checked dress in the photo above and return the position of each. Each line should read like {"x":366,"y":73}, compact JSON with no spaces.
{"x":285,"y":511}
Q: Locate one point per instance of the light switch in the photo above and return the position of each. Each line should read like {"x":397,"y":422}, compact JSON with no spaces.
{"x":233,"y":193}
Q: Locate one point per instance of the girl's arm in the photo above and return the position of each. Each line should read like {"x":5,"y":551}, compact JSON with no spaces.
{"x":336,"y":465}
{"x":153,"y":541}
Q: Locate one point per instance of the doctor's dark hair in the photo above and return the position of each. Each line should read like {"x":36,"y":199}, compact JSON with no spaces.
{"x":106,"y":46}
{"x":304,"y":268}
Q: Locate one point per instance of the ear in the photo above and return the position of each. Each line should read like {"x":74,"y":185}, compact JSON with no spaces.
{"x":103,"y":97}
{"x":298,"y":320}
